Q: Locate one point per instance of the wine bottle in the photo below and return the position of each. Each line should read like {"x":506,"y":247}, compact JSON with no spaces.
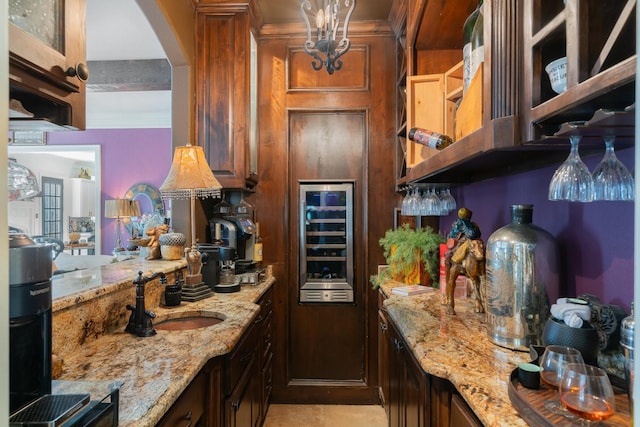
{"x":430,"y":139}
{"x":477,"y":44}
{"x":257,"y":247}
{"x":467,"y":30}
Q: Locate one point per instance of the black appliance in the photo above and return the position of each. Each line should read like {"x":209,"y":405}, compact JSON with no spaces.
{"x":30,"y":400}
{"x":30,"y":268}
{"x":210,"y":264}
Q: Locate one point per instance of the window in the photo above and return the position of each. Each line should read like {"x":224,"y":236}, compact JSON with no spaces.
{"x":52,"y":192}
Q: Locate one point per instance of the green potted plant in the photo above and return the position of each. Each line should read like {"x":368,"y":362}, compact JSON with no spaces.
{"x":412,"y":255}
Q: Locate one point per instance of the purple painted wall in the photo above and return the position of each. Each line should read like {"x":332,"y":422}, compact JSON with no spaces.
{"x":595,"y":239}
{"x":129,"y":156}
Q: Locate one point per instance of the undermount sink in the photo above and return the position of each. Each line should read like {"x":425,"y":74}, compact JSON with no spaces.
{"x":190,"y":320}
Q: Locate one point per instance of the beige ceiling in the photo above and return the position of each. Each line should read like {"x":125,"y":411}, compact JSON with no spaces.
{"x":288,"y":11}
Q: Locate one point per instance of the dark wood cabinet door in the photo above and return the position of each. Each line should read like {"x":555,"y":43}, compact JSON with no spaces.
{"x":45,"y":63}
{"x":383,"y":360}
{"x":240,"y":405}
{"x":189,"y":409}
{"x":223,"y":58}
{"x":414,"y":393}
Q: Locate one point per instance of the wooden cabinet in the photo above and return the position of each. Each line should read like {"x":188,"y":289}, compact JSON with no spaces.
{"x":47,"y":64}
{"x":189,"y":409}
{"x":522,"y":118}
{"x":265,"y":353}
{"x":461,"y":414}
{"x":408,"y":385}
{"x":248,"y":372}
{"x":411,"y":397}
{"x":601,"y":62}
{"x":224,"y":92}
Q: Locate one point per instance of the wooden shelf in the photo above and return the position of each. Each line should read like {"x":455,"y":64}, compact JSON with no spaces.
{"x":525,"y":124}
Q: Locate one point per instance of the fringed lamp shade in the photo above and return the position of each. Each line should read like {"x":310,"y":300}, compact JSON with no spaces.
{"x":120,"y":208}
{"x":190,"y":175}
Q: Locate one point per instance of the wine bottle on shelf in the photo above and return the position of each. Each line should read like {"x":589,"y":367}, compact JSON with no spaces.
{"x":431,"y":139}
{"x":477,"y":44}
{"x":257,"y":247}
{"x":467,"y":30}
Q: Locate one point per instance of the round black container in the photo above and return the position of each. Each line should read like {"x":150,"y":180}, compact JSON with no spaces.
{"x":584,"y":339}
{"x":172,"y":298}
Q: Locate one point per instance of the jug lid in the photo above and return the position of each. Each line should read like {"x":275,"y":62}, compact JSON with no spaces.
{"x":627,"y":327}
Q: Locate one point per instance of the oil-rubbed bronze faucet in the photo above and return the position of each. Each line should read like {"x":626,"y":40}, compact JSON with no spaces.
{"x":140,"y":319}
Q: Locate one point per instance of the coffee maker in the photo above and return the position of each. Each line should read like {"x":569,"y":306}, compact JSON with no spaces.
{"x":30,"y":268}
{"x":236,"y":233}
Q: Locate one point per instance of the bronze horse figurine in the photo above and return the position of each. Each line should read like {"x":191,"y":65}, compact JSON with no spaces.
{"x":472,"y":265}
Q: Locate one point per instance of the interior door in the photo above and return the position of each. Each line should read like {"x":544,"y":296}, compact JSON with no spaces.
{"x":52,"y":207}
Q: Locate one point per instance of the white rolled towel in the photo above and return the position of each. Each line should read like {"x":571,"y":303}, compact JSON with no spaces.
{"x":573,"y":320}
{"x":561,"y":311}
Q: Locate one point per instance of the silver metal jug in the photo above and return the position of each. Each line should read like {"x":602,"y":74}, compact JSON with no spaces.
{"x":627,"y":328}
{"x":522,"y":276}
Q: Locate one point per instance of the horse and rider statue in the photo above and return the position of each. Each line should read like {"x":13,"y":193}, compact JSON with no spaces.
{"x":465,"y":255}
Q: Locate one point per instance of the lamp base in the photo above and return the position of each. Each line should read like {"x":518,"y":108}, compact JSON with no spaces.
{"x":196,"y":292}
{"x":193,"y":279}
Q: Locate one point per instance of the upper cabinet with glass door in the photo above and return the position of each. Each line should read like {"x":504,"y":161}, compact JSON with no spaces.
{"x":47,"y":58}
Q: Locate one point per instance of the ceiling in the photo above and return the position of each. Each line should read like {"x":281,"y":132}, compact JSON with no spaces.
{"x":133,"y":38}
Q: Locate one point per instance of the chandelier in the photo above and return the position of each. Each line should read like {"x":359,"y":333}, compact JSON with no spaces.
{"x":327,"y":18}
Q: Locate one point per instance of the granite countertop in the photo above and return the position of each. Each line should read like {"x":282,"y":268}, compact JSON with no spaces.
{"x":456,"y":348}
{"x":155,"y":370}
{"x":83,"y":285}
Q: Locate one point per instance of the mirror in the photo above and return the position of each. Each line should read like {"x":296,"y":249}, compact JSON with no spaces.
{"x":77,"y":168}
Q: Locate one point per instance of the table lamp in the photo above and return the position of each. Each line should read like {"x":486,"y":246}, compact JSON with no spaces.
{"x":189,"y":177}
{"x":119,"y":208}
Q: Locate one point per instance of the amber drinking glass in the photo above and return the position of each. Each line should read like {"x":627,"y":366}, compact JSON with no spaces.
{"x":553,"y":362}
{"x":586,"y":392}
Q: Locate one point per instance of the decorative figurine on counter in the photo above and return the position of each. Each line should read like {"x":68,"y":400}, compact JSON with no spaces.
{"x":154,"y":240}
{"x":465,"y":255}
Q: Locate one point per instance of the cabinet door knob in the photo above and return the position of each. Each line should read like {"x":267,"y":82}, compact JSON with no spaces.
{"x":81,"y":71}
{"x":188,"y":417}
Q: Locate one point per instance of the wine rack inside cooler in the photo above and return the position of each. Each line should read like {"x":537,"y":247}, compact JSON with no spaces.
{"x":326,"y":242}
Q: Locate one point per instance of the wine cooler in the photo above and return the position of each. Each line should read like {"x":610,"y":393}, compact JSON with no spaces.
{"x":326,"y":242}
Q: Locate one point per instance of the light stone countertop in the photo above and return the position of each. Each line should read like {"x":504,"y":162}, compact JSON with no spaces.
{"x":456,"y":348}
{"x":154,"y":370}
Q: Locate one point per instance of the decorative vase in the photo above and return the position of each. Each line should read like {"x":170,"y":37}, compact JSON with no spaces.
{"x":411,"y":274}
{"x":522,"y":276}
{"x":172,"y":245}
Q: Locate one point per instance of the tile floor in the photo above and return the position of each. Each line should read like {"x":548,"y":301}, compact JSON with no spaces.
{"x":326,"y":416}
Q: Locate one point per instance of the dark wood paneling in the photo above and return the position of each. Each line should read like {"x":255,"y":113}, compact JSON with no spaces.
{"x":273,"y":199}
{"x":327,"y":340}
{"x":353,"y":76}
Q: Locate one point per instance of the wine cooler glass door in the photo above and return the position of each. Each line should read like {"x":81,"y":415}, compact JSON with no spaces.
{"x":326,"y":242}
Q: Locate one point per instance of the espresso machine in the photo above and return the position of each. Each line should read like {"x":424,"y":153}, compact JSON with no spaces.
{"x":236,"y":233}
